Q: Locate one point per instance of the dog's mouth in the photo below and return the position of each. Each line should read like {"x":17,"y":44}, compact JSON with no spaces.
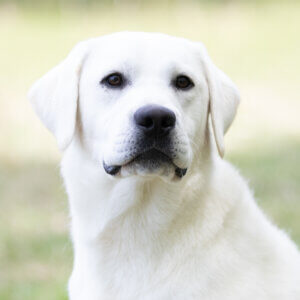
{"x":149,"y":162}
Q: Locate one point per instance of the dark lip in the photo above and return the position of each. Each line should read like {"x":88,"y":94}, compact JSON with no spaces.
{"x":153,"y":152}
{"x":111,"y":170}
{"x":114,"y":169}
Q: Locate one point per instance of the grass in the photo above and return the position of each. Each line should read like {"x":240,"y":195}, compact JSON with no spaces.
{"x":256,"y":45}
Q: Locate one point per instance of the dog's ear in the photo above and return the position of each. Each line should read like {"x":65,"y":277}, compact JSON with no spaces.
{"x":55,"y":95}
{"x":223,"y":99}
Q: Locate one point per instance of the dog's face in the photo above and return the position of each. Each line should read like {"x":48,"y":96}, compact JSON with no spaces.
{"x":142,"y":102}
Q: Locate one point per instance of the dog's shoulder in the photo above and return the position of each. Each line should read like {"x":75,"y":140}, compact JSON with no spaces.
{"x":266,"y":251}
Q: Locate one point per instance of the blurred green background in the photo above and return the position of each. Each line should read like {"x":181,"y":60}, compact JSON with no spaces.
{"x":256,"y":43}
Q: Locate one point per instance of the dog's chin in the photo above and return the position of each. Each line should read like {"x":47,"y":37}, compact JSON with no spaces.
{"x":152,"y":163}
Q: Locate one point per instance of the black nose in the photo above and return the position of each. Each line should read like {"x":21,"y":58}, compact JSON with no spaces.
{"x":155,"y":120}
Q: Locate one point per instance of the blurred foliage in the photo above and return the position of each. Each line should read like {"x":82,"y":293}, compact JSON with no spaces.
{"x":256,"y":43}
{"x":59,"y":4}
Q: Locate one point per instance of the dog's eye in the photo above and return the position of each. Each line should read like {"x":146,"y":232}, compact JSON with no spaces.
{"x":113,"y":80}
{"x":183,"y":82}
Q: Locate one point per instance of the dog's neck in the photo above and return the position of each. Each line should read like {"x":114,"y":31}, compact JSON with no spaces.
{"x":122,"y":223}
{"x":99,"y":202}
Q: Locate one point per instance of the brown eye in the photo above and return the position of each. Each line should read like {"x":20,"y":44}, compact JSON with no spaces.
{"x":113,"y":80}
{"x":183,"y":82}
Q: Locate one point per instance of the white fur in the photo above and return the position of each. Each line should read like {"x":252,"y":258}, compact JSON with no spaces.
{"x":145,"y":235}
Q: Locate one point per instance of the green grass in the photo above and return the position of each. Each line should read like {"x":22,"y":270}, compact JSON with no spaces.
{"x":274,"y":178}
{"x":257,"y":45}
{"x":35,"y":252}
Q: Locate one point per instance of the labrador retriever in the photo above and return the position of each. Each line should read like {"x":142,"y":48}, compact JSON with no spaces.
{"x":156,"y":212}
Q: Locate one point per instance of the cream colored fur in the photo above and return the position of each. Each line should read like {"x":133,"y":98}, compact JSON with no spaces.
{"x":148,"y":236}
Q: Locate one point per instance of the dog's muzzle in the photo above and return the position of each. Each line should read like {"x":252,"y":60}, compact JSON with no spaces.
{"x":154,"y":146}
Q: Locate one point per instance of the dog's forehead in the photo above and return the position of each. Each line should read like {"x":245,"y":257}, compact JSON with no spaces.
{"x":152,"y":49}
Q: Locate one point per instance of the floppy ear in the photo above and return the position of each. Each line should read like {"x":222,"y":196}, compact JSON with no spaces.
{"x":223,"y":100}
{"x":54,"y":96}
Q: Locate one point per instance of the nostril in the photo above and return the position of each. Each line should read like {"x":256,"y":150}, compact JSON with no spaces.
{"x":147,"y":122}
{"x":144,"y":121}
{"x":168,"y":122}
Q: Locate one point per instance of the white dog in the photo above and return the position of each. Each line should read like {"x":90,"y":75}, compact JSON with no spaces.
{"x":156,"y":212}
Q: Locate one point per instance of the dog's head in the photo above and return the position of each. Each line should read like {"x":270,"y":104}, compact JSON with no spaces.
{"x":140,"y":102}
